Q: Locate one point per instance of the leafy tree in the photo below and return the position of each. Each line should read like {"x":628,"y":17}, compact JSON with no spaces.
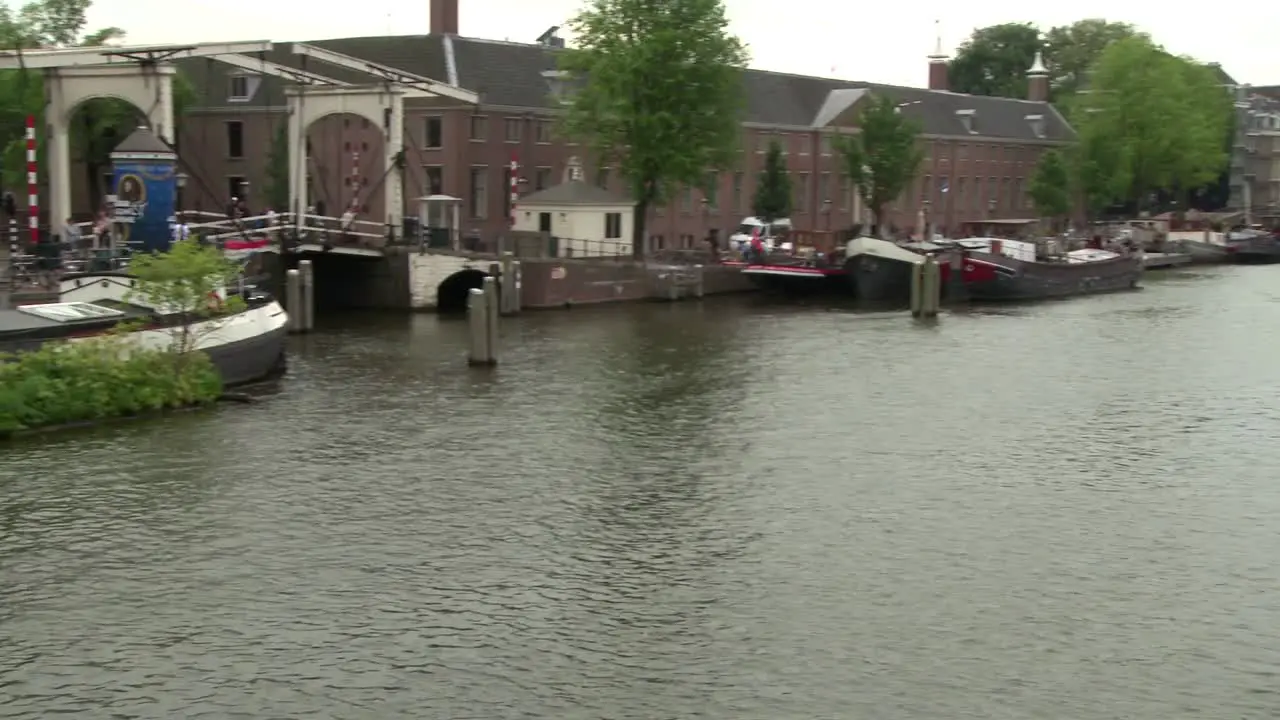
{"x":1071,"y":50}
{"x":1051,"y":186}
{"x":277,"y":181}
{"x":189,"y":280}
{"x":772,"y":200}
{"x":994,"y":61}
{"x":99,"y":124}
{"x":883,"y":157}
{"x":656,"y":89}
{"x":1151,"y":120}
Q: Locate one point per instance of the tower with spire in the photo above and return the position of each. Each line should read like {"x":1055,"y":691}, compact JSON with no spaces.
{"x":938,"y":61}
{"x":1038,"y":81}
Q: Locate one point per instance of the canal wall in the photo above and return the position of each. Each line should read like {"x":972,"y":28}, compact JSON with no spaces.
{"x":434,"y":280}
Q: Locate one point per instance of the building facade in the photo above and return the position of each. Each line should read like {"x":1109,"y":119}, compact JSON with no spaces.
{"x":1255,"y":154}
{"x":979,"y":152}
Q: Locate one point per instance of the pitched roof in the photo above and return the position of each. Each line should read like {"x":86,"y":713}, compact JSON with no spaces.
{"x":575,"y":192}
{"x":144,"y":141}
{"x":511,"y":74}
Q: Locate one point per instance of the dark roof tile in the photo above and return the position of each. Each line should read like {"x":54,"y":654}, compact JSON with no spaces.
{"x":511,"y":74}
{"x":574,"y":192}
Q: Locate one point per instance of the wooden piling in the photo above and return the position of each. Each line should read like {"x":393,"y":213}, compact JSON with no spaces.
{"x":307,"y":277}
{"x":699,"y":288}
{"x":926,"y":288}
{"x":293,"y":299}
{"x":510,"y":285}
{"x":491,"y":308}
{"x":478,"y":325}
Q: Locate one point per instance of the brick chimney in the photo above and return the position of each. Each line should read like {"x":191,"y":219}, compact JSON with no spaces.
{"x":938,"y":66}
{"x":1038,"y":81}
{"x":444,"y":17}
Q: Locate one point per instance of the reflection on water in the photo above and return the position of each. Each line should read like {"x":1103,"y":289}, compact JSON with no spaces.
{"x":731,"y":510}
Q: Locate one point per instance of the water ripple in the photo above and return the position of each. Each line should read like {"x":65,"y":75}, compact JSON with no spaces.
{"x":725,"y":511}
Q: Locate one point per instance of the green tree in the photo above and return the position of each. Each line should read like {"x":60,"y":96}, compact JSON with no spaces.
{"x":99,"y":124}
{"x":772,"y":200}
{"x":277,"y":181}
{"x":883,"y":157}
{"x":189,"y":280}
{"x":1070,"y":51}
{"x":1051,"y":186}
{"x":1151,"y":120}
{"x":656,"y":90}
{"x":994,"y":61}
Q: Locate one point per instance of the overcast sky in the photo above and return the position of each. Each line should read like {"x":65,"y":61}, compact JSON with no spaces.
{"x":880,"y":42}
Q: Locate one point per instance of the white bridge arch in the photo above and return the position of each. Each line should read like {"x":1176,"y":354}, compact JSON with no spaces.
{"x":383,"y":106}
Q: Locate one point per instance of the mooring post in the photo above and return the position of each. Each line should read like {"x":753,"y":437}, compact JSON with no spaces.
{"x":507,"y":290}
{"x":293,"y":299}
{"x":926,"y":288}
{"x":307,"y":272}
{"x":491,"y":311}
{"x":699,"y":289}
{"x":517,"y":274}
{"x":917,"y":288}
{"x":478,"y":325}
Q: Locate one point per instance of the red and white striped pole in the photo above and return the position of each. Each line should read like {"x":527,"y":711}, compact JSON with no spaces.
{"x":514,"y":188}
{"x":33,"y":185}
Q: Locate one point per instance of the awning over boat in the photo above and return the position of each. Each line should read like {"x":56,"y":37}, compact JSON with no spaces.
{"x":876,"y":247}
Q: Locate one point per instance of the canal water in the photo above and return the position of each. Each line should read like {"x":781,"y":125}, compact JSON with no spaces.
{"x":728,"y":510}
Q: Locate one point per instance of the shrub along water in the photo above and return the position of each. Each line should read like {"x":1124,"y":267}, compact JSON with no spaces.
{"x":70,"y":382}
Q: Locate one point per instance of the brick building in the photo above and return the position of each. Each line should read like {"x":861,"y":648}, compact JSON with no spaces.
{"x":979,"y":151}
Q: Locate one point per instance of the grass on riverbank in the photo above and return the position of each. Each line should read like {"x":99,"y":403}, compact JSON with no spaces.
{"x":72,"y":382}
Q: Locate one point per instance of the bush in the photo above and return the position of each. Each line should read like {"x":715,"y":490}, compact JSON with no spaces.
{"x":68,"y":382}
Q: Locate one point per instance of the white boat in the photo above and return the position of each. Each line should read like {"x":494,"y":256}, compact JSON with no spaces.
{"x":245,"y":347}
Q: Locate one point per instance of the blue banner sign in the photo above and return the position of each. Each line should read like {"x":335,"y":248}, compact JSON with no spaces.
{"x":144,"y":200}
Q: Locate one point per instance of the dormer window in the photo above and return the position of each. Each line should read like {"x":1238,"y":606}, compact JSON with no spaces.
{"x":1037,"y":124}
{"x":967,"y":120}
{"x":558,"y":83}
{"x":242,"y":87}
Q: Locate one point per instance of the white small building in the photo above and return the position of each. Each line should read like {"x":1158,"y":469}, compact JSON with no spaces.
{"x":586,"y":220}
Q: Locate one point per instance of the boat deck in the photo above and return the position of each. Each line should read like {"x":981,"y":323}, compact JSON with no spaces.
{"x":17,"y":322}
{"x":1157,"y":261}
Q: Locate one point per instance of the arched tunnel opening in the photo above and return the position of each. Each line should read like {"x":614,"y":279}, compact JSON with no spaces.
{"x":344,"y":282}
{"x":452,"y":294}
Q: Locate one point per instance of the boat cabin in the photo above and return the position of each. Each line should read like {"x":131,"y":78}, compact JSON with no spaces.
{"x":1017,"y":229}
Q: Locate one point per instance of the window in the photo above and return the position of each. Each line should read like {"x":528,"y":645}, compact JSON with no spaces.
{"x":826,"y":144}
{"x":962,"y":152}
{"x":235,"y":139}
{"x":543,"y":130}
{"x":435,"y":180}
{"x":602,"y":178}
{"x":802,"y":192}
{"x":1018,"y":199}
{"x":238,"y":88}
{"x":479,"y":192}
{"x":802,"y":144}
{"x":686,"y":199}
{"x":993,"y":189}
{"x":926,"y":188}
{"x":711,"y":192}
{"x":544,"y":222}
{"x":824,"y":190}
{"x":846,"y":192}
{"x":961,"y":188}
{"x":763,"y":141}
{"x":737,"y":191}
{"x":512,"y":128}
{"x":236,"y":186}
{"x":1006,"y":199}
{"x":542,"y":178}
{"x":433,"y":135}
{"x":612,"y":226}
{"x":478,"y":127}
